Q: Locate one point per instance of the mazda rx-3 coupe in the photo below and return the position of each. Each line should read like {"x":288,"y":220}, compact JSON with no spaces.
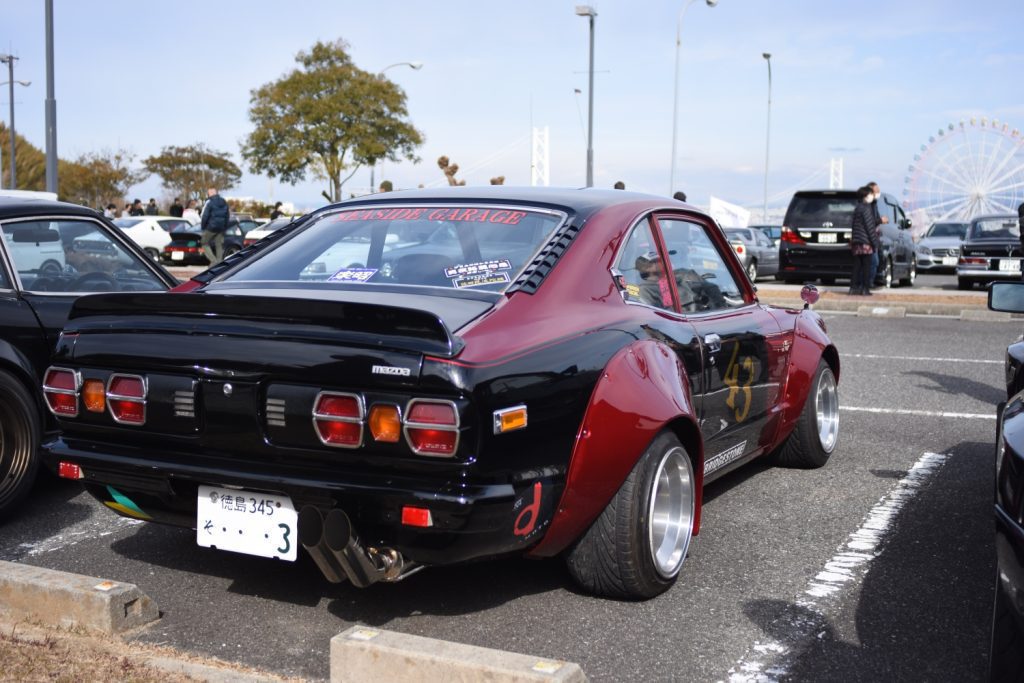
{"x":496,"y":371}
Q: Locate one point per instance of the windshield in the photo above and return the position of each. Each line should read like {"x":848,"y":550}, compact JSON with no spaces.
{"x":477,"y":247}
{"x":127,"y":222}
{"x":947,"y":230}
{"x":1001,"y":227}
{"x":816,"y":210}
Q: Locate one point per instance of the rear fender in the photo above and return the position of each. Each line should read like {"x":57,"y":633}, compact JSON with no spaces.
{"x":640,"y":393}
{"x":810,"y":344}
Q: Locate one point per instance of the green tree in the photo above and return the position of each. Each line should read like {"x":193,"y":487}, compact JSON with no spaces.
{"x":98,"y":178}
{"x":328,"y":117}
{"x":188,"y":171}
{"x":29,"y":162}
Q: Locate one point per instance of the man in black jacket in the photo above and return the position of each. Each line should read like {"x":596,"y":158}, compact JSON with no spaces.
{"x":214,"y":223}
{"x":876,"y":242}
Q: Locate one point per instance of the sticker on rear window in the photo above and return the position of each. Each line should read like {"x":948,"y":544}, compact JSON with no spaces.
{"x":480,"y":280}
{"x":352,"y":275}
{"x":478,"y":268}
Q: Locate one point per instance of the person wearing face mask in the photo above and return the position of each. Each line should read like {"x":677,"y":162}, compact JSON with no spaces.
{"x":876,"y":242}
{"x":862,"y":242}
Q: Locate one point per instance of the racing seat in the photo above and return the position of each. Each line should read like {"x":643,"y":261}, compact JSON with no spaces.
{"x":422,"y":269}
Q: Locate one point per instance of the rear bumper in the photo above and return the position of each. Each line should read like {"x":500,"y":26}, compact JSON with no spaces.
{"x":984,"y":274}
{"x":469,"y":520}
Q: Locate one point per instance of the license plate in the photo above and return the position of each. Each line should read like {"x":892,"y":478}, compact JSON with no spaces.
{"x":177,"y":256}
{"x":949,"y":260}
{"x":246,"y":522}
{"x":1009,"y":265}
{"x":826,"y":238}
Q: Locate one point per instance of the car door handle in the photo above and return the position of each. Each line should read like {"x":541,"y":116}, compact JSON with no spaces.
{"x":713,"y":343}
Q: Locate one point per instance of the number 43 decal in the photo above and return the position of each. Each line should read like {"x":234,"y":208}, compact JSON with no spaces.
{"x":740,"y":395}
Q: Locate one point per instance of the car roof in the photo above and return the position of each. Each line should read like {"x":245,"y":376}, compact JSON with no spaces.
{"x":583,"y":201}
{"x":11,"y":207}
{"x":995,"y":217}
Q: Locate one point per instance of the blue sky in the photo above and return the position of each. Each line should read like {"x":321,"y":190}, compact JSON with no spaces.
{"x":870,"y":89}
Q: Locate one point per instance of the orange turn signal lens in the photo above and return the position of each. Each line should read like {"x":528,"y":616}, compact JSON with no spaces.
{"x":385,"y":423}
{"x":509,"y":419}
{"x":94,"y":395}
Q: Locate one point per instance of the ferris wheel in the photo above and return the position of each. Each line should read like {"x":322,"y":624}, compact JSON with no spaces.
{"x":966,"y":169}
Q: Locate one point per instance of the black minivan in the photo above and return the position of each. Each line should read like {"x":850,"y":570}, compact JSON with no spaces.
{"x":816,"y":237}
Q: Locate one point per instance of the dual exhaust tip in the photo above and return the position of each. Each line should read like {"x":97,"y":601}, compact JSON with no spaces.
{"x":335,"y":547}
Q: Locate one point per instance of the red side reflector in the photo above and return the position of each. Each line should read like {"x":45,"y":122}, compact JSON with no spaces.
{"x":338,"y":419}
{"x":126,"y":398}
{"x":416,"y":517}
{"x":60,"y":387}
{"x":69,"y":470}
{"x":432,"y":427}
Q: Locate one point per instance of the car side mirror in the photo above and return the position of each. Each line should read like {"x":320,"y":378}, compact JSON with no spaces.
{"x":1007,"y":297}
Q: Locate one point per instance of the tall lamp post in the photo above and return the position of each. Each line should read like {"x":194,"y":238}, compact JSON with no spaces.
{"x":9,"y":61}
{"x":675,"y":101}
{"x":767,"y":135}
{"x":415,"y":66}
{"x":588,"y":11}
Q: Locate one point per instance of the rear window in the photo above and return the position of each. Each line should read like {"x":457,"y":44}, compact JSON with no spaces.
{"x":127,"y":222}
{"x":477,"y":247}
{"x":815,"y":210}
{"x":1006,"y":228}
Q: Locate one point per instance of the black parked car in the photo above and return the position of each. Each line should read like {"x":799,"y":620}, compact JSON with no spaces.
{"x":816,"y":239}
{"x":184,"y":248}
{"x":991,"y":251}
{"x":50,"y":254}
{"x":1007,"y":650}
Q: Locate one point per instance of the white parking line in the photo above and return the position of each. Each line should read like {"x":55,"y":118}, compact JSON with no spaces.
{"x":920,"y":413}
{"x":98,"y":525}
{"x":803,"y":621}
{"x":921,"y":358}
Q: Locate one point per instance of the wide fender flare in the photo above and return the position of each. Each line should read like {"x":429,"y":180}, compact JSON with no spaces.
{"x":641,"y":391}
{"x":811,"y":343}
{"x":17,"y":363}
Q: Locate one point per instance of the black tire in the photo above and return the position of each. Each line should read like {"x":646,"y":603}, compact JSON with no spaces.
{"x":1006,"y":652}
{"x":230,"y":251}
{"x":615,"y":557}
{"x":911,"y":277}
{"x":152,"y":253}
{"x":964,"y":284}
{"x":752,"y":270}
{"x":806,"y":446}
{"x":19,"y":443}
{"x":887,"y":272}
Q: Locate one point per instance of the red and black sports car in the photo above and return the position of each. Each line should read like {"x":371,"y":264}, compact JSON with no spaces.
{"x":431,"y":377}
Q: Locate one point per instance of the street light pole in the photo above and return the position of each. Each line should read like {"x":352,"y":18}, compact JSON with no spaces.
{"x":9,"y":61}
{"x":767,"y":136}
{"x":415,"y":66}
{"x":675,"y":96}
{"x":51,"y":106}
{"x":588,"y":11}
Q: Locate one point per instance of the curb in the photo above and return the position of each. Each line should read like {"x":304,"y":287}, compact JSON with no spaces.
{"x":55,"y":598}
{"x":365,"y":654}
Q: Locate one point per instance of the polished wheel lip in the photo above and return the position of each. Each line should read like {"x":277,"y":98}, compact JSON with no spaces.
{"x":826,"y":409}
{"x":15,"y":457}
{"x":671,"y":512}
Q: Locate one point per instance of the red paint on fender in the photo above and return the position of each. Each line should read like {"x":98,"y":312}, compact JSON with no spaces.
{"x":186,"y":286}
{"x":642,"y":389}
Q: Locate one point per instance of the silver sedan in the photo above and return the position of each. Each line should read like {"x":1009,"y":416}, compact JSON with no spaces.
{"x":756,"y":251}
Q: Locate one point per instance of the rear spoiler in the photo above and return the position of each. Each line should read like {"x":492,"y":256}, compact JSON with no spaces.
{"x":361,"y":324}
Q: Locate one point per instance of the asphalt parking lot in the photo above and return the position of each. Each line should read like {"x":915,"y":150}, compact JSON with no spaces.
{"x":857,"y":571}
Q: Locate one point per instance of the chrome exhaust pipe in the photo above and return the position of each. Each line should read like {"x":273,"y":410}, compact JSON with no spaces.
{"x":311,"y":537}
{"x":362,"y":566}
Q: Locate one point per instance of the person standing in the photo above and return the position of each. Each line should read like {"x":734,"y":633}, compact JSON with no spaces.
{"x":679,"y":196}
{"x":862,"y":242}
{"x":214,"y":222}
{"x":152,"y":209}
{"x":137,"y":209}
{"x":176,"y":208}
{"x":191,"y":214}
{"x":277,"y":212}
{"x":877,"y":241}
{"x":110,"y":212}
